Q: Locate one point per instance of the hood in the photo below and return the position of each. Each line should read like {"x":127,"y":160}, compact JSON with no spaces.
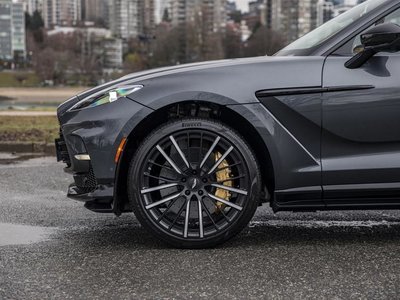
{"x":240,"y":78}
{"x":138,"y":76}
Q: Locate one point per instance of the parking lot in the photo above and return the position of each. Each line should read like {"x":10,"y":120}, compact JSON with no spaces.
{"x":52,"y":248}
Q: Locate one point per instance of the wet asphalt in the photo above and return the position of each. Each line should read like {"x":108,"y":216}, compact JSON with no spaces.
{"x":52,"y":248}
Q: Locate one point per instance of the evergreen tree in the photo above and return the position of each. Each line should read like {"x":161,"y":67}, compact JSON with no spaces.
{"x":36,"y":21}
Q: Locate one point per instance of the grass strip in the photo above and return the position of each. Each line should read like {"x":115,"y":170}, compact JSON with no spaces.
{"x":40,"y":129}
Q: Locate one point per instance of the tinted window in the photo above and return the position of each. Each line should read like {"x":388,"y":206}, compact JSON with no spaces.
{"x":331,"y":28}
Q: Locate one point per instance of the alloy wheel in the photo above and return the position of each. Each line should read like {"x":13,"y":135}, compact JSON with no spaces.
{"x":194,"y":183}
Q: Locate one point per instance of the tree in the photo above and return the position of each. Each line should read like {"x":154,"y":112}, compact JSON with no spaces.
{"x":165,"y":46}
{"x":36,"y":21}
{"x":236,"y":16}
{"x":165,"y":17}
{"x":133,"y":62}
{"x":212,"y":48}
{"x":35,"y":26}
{"x":232,"y":43}
{"x":263,"y":42}
{"x":67,"y":58}
{"x":44,"y":64}
{"x":27,"y":20}
{"x":21,"y":77}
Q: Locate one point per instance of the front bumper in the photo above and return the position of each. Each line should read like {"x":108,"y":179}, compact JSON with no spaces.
{"x":85,"y":187}
{"x":88,"y":142}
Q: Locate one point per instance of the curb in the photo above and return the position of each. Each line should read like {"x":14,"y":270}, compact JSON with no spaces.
{"x":27,"y":147}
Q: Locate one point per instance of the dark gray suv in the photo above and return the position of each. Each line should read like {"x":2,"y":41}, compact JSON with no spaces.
{"x":193,"y":149}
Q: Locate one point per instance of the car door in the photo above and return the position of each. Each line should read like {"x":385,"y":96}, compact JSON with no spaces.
{"x":361,"y":128}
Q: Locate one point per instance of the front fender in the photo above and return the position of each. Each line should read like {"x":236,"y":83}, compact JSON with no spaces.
{"x":295,"y":166}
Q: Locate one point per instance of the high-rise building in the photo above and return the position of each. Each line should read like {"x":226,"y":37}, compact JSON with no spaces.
{"x":184,"y":11}
{"x":61,"y":12}
{"x":123,"y":14}
{"x":221,"y":15}
{"x":35,"y":5}
{"x":12,"y":30}
{"x":231,"y":7}
{"x":294,"y":18}
{"x":200,"y":22}
{"x":5,"y":30}
{"x":215,"y":14}
{"x":147,"y":17}
{"x":212,"y":14}
{"x":18,"y":35}
{"x":160,"y":6}
{"x":345,"y":6}
{"x":325,"y":11}
{"x":265,"y":12}
{"x":271,"y":14}
{"x":96,"y":11}
{"x":132,"y":18}
{"x":255,"y":15}
{"x":30,"y":6}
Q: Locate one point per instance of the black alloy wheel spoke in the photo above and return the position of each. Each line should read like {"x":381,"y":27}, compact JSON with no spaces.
{"x":209,"y":215}
{"x":161,"y":166}
{"x":221,"y":211}
{"x":163,"y":179}
{"x":167,"y":209}
{"x":178,"y":215}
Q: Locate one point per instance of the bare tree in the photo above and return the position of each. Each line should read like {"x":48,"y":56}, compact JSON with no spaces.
{"x":165,"y":48}
{"x":44,"y":64}
{"x":263,"y":42}
{"x":232,"y":43}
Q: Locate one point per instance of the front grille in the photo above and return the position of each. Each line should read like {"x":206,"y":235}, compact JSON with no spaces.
{"x":62,"y":151}
{"x":86,"y":182}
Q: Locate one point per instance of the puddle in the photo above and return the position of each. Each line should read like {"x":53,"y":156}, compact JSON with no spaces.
{"x":21,"y":106}
{"x":5,"y":98}
{"x":13,"y":234}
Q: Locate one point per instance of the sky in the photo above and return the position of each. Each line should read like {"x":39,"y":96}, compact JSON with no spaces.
{"x":242,"y":4}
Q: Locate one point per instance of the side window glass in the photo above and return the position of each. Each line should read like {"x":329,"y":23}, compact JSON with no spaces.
{"x":393,"y":18}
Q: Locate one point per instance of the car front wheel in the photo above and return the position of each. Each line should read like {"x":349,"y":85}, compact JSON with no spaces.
{"x":194,"y":183}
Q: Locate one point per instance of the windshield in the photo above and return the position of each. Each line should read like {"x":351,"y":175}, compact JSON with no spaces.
{"x":329,"y":29}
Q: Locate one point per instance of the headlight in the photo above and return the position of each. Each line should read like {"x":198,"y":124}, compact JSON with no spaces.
{"x":104,"y":97}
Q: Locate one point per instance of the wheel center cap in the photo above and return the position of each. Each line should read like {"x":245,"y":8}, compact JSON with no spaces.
{"x":194,"y":184}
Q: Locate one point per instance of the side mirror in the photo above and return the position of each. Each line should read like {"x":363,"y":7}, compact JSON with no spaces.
{"x":381,"y":38}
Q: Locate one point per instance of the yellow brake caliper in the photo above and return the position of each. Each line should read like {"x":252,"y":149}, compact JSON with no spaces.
{"x":222,"y":177}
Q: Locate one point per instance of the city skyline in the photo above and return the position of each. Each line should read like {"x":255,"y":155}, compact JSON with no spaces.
{"x":199,"y":27}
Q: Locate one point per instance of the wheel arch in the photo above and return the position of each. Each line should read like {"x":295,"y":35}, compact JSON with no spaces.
{"x":193,"y":108}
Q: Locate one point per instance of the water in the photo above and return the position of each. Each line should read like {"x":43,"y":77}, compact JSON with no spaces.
{"x":13,"y":158}
{"x":16,"y":105}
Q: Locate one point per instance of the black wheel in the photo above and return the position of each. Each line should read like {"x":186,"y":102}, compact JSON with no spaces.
{"x":194,"y":183}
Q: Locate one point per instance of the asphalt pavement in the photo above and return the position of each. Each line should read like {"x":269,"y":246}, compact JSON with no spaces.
{"x":52,"y":248}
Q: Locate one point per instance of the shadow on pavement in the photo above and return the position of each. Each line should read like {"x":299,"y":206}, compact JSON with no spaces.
{"x":132,"y":236}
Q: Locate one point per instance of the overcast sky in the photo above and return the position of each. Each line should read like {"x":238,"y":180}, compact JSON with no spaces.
{"x":242,"y":4}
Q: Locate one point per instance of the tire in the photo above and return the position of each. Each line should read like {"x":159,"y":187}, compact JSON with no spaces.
{"x":176,"y":169}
